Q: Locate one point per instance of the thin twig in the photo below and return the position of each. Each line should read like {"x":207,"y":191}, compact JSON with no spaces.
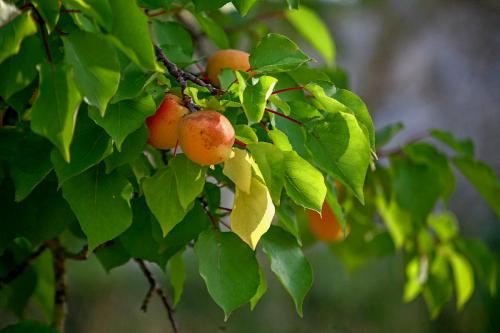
{"x":155,"y":287}
{"x":43,"y":32}
{"x":287,"y":89}
{"x":240,"y":143}
{"x":21,"y":268}
{"x":165,"y":11}
{"x":284,"y":116}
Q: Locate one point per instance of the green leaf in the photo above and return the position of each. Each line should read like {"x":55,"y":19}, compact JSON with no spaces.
{"x":20,"y":70}
{"x":29,"y":326}
{"x":339,"y":146}
{"x":464,"y":147}
{"x":213,"y":30}
{"x":245,"y":134}
{"x":322,"y":99}
{"x":132,"y":148}
{"x":483,"y":261}
{"x":112,"y":256}
{"x":483,"y":178}
{"x":49,"y":10}
{"x":209,"y":4}
{"x":54,"y":111}
{"x":124,"y":117}
{"x":464,"y":278}
{"x":188,"y":229}
{"x":276,"y":53}
{"x":289,"y":264}
{"x":96,"y":67}
{"x":13,"y":32}
{"x":304,"y":183}
{"x":312,"y":28}
{"x":244,"y":6}
{"x":100,"y":10}
{"x":261,"y":290}
{"x":387,"y":133}
{"x":293,"y":4}
{"x":424,"y":153}
{"x":90,"y":146}
{"x":190,"y":179}
{"x":445,"y":225}
{"x":271,"y":162}
{"x":131,"y":32}
{"x":229,"y":268}
{"x":101,"y":203}
{"x":162,"y":197}
{"x":360,"y":111}
{"x":408,"y":191}
{"x":254,"y":97}
{"x":438,"y":289}
{"x":177,"y":274}
{"x":175,"y":41}
{"x":280,"y":139}
{"x":30,"y":164}
{"x":45,"y":285}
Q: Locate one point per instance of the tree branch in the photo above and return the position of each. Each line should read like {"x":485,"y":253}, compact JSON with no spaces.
{"x":60,"y":296}
{"x":43,"y":32}
{"x":21,"y":268}
{"x":83,"y":254}
{"x":182,"y":77}
{"x":155,"y":287}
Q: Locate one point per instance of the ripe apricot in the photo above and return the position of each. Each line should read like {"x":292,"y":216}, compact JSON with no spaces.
{"x":163,"y":124}
{"x":325,"y":226}
{"x":232,"y":59}
{"x":206,"y":137}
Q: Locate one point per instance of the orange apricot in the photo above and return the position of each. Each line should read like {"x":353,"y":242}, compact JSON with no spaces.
{"x":231,"y":59}
{"x":163,"y":124}
{"x":325,"y":226}
{"x":206,"y":137}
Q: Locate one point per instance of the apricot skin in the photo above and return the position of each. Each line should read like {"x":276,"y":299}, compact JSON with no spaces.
{"x":206,"y":137}
{"x":163,"y":124}
{"x":325,"y":227}
{"x":232,"y":59}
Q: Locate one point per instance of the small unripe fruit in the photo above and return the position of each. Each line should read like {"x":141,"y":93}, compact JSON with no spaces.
{"x":325,"y":226}
{"x":206,"y":137}
{"x":163,"y":124}
{"x":231,"y":59}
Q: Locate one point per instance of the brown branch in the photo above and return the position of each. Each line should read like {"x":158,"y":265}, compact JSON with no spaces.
{"x":240,"y":143}
{"x":287,"y":89}
{"x":165,"y":11}
{"x":155,"y":287}
{"x":60,"y":296}
{"x":21,"y":267}
{"x":43,"y":32}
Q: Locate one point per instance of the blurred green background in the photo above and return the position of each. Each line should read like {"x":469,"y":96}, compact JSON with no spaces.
{"x":427,"y":63}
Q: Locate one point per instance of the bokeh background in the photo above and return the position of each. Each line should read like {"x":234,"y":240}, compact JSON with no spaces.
{"x":426,"y":63}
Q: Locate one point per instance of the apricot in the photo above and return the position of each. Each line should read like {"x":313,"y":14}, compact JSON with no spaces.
{"x":231,"y":59}
{"x":206,"y":137}
{"x":326,"y":226}
{"x":163,"y":124}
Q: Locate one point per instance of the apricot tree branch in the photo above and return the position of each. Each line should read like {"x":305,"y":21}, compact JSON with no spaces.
{"x":60,"y":296}
{"x":43,"y":32}
{"x":284,"y":116}
{"x":83,"y":254}
{"x":182,"y":77}
{"x":155,"y":287}
{"x":21,"y":267}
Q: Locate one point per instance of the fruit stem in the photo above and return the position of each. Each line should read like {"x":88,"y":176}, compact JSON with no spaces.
{"x":240,"y":143}
{"x":284,"y":116}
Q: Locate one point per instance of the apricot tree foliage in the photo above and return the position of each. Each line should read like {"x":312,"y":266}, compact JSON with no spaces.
{"x":79,"y":78}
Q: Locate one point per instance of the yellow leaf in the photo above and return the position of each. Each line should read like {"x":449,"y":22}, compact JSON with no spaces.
{"x":239,"y":169}
{"x":252,"y":212}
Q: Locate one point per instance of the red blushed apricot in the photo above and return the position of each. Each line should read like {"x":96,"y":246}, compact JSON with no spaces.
{"x":231,"y":59}
{"x":325,"y":226}
{"x":206,"y":137}
{"x":163,"y":124}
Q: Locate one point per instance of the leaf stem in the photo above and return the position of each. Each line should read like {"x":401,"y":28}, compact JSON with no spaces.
{"x":284,"y":116}
{"x":287,"y":89}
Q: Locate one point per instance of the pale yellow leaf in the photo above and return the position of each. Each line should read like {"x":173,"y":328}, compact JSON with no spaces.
{"x":239,"y":169}
{"x":252,"y":213}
